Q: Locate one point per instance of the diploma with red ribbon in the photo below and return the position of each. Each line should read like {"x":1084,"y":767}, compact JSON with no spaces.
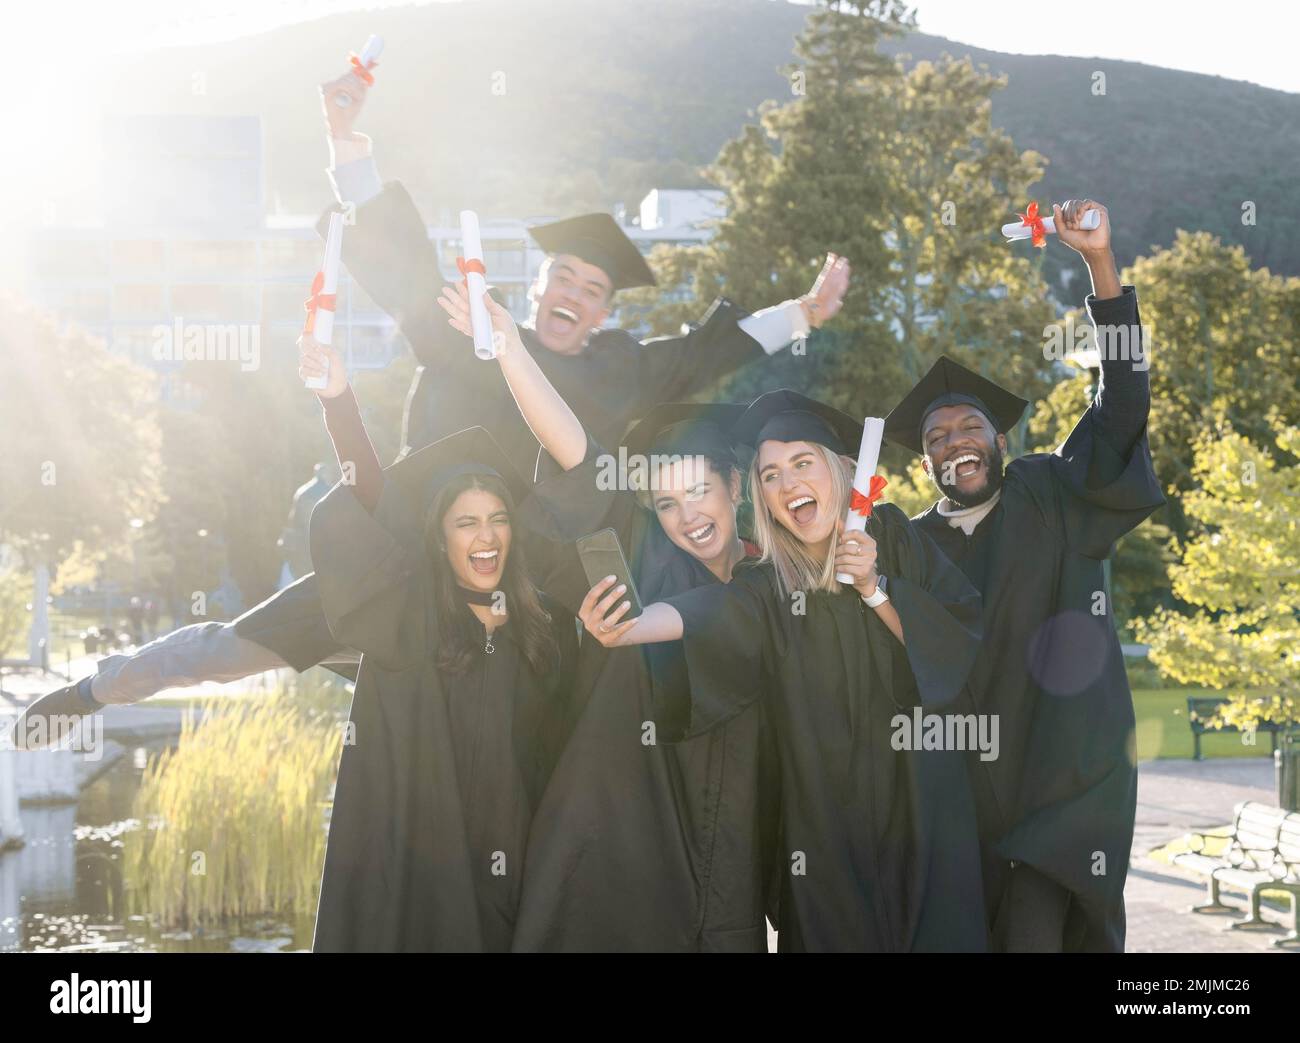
{"x":361,"y":65}
{"x":475,"y":275}
{"x":324,"y":288}
{"x":867,"y":485}
{"x":1031,"y":226}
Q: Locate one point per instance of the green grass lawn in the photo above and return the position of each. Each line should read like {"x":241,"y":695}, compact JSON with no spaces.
{"x":1163,"y":731}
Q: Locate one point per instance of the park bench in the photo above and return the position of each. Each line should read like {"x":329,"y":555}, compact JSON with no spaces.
{"x":1263,"y":854}
{"x":1202,"y":708}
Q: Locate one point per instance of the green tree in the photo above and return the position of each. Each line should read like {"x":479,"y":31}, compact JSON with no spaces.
{"x":1223,"y":344}
{"x":899,"y":170}
{"x":81,"y":444}
{"x":1238,"y":574}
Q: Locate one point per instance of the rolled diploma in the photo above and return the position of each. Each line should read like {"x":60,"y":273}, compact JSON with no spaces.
{"x":1019,"y":230}
{"x":873,"y":430}
{"x":472,"y":247}
{"x":369,"y":53}
{"x":372,"y":50}
{"x":323,"y":322}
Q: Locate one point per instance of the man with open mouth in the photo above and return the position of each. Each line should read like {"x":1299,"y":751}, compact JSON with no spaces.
{"x":609,"y":378}
{"x":1056,"y":808}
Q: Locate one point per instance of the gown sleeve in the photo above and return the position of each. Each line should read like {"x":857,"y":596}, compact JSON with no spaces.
{"x":563,"y":506}
{"x":676,"y":368}
{"x":372,"y":575}
{"x":940,"y":611}
{"x":721,"y":664}
{"x":389,"y":255}
{"x":1101,"y":483}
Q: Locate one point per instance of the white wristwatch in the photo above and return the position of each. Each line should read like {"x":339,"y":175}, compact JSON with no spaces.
{"x":879,"y":597}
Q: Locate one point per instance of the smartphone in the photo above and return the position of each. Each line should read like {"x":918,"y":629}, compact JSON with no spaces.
{"x":602,"y":555}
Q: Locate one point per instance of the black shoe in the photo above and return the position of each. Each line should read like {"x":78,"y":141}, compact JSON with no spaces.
{"x":39,"y":721}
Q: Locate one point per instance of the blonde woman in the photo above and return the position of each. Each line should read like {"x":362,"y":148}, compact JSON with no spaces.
{"x":878,"y":839}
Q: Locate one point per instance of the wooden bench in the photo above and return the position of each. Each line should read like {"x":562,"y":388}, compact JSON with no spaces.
{"x":1263,"y":854}
{"x":1201,"y":708}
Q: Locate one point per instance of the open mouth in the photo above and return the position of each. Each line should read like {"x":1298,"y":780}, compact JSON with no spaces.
{"x":564,"y":318}
{"x":703,"y":534}
{"x":484,"y":562}
{"x":966,"y":465}
{"x":803,"y":509}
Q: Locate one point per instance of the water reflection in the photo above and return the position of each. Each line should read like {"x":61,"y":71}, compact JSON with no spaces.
{"x":64,"y":889}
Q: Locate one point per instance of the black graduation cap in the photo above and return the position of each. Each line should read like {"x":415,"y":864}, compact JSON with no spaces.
{"x":685,"y":428}
{"x":598,"y":240}
{"x":950,"y":383}
{"x":788,"y":416}
{"x":422,"y":474}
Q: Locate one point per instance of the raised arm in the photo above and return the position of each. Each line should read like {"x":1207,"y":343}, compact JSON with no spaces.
{"x":674,"y":368}
{"x":358,"y":461}
{"x":548,"y":416}
{"x":352,"y":171}
{"x":1123,"y":400}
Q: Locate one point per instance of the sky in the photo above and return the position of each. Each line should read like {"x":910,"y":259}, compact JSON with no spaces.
{"x":1249,"y":40}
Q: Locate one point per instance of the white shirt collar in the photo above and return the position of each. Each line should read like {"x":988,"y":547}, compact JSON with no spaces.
{"x":966,"y":518}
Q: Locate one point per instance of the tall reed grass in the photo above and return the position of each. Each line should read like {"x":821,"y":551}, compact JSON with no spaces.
{"x":233,"y":818}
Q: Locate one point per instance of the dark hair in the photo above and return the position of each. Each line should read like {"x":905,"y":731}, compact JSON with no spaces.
{"x":458,"y":641}
{"x":723,"y":461}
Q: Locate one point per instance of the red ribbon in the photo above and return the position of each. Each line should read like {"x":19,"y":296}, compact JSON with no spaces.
{"x":362,"y":70}
{"x":1034,"y":223}
{"x":860,"y":504}
{"x":317,"y":300}
{"x":473,"y":265}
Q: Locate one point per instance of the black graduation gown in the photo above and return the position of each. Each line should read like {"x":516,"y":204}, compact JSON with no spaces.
{"x":440,"y":774}
{"x":613,"y":382}
{"x":636,"y":847}
{"x":878,"y":846}
{"x":1061,"y":796}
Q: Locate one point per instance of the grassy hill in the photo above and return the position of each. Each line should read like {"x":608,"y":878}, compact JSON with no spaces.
{"x":606,"y":98}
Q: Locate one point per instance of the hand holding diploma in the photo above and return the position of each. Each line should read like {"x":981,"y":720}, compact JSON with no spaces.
{"x":1032,"y":226}
{"x":320,"y":362}
{"x":343,"y":98}
{"x":504,"y":334}
{"x":855,"y":561}
{"x":867,"y":489}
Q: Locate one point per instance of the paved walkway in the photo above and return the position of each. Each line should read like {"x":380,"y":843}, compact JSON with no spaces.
{"x":1175,"y":797}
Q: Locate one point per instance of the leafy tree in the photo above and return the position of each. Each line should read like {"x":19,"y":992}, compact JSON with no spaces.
{"x":81,"y":444}
{"x":1223,"y":349}
{"x":1239,"y":574}
{"x":899,"y":170}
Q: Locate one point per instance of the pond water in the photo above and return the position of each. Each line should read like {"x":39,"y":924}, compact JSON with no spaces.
{"x":64,"y":889}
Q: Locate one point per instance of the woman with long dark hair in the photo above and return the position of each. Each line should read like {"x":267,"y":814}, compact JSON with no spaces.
{"x":461,"y":701}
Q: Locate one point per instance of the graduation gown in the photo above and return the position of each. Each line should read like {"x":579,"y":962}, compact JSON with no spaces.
{"x":440,"y":773}
{"x":878,"y":846}
{"x":658,"y":847}
{"x":1061,"y":796}
{"x":614,"y":381}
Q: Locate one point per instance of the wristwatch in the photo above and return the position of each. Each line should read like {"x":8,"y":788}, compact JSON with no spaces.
{"x":879,"y":597}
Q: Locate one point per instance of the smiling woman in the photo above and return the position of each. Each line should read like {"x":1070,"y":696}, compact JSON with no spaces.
{"x":462,"y":699}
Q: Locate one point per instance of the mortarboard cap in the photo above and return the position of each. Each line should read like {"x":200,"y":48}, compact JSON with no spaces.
{"x":422,"y":474}
{"x":949,"y":384}
{"x":788,"y":416}
{"x":598,"y":240}
{"x":685,"y":428}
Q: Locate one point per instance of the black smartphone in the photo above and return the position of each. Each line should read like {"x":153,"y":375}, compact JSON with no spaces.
{"x":602,"y":555}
